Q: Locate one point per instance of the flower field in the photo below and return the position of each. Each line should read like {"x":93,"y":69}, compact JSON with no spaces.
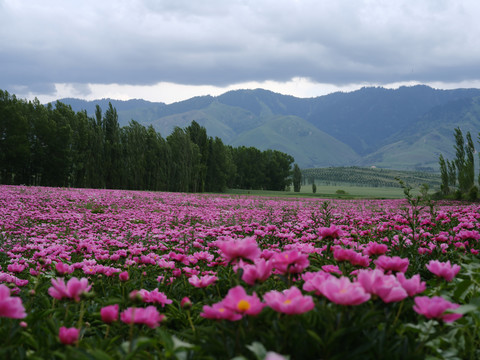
{"x":105,"y":274}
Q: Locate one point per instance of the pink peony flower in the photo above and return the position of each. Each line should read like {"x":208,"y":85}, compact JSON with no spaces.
{"x":342,"y":254}
{"x":435,"y":307}
{"x":202,"y":282}
{"x":342,"y":291}
{"x":109,"y":313}
{"x":313,"y":280}
{"x":63,"y":268}
{"x":68,"y":336}
{"x":237,"y":300}
{"x":387,"y":287}
{"x":123,"y":276}
{"x":218,"y":311}
{"x":333,"y":269}
{"x":157,"y":297}
{"x":234,"y":249}
{"x":443,"y":269}
{"x":148,"y":316}
{"x":186,"y":303}
{"x":257,"y":272}
{"x":292,"y":262}
{"x":374,"y":248}
{"x":332,"y":232}
{"x":412,"y":286}
{"x":290,"y":301}
{"x":395,"y":263}
{"x":72,"y":290}
{"x":10,"y":307}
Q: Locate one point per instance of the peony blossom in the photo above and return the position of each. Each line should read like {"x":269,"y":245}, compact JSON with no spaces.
{"x":342,"y":254}
{"x":68,"y":336}
{"x":237,"y":300}
{"x":290,"y":301}
{"x":435,"y":307}
{"x":148,"y":316}
{"x":63,"y":268}
{"x":332,"y":232}
{"x":387,"y":287}
{"x":123,"y":276}
{"x":342,"y":291}
{"x":203,"y":281}
{"x":443,"y":269}
{"x":10,"y":307}
{"x":234,"y":249}
{"x":395,"y":263}
{"x":412,"y":286}
{"x":72,"y":290}
{"x":292,"y":262}
{"x":219,"y":311}
{"x":259,"y":271}
{"x":109,"y":313}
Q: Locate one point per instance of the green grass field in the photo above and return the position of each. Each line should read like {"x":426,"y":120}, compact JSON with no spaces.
{"x":329,"y":191}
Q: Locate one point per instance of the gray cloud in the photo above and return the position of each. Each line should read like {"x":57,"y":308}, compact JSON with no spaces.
{"x":217,"y":42}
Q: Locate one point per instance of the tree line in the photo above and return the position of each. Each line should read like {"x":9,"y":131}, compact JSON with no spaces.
{"x":458,"y":175}
{"x":48,"y":145}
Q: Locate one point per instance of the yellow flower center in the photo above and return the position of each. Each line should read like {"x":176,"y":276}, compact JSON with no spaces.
{"x":221,"y":310}
{"x":343,"y":291}
{"x":288,"y":301}
{"x":243,"y":305}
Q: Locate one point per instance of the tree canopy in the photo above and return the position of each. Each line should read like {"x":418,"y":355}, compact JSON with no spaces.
{"x":55,"y":146}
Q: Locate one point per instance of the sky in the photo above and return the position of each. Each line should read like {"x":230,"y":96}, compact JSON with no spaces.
{"x":168,"y":51}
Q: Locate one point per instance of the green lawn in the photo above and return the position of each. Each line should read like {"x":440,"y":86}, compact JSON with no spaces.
{"x":329,"y":191}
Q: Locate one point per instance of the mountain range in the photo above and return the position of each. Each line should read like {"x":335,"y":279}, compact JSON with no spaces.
{"x":405,"y":128}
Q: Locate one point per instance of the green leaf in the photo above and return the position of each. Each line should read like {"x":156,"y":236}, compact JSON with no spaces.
{"x":258,"y":349}
{"x":461,"y":288}
{"x":179,"y":344}
{"x":463,"y":309}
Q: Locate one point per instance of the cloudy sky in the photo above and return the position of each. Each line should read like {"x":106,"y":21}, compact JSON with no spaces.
{"x":172,"y":50}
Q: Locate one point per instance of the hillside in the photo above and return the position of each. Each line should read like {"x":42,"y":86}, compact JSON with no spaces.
{"x":406,"y":128}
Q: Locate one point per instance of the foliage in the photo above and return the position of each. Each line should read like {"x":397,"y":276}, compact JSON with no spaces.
{"x":372,"y":177}
{"x":54,"y":146}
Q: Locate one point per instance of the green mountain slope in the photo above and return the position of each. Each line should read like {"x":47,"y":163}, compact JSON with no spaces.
{"x":295,"y":136}
{"x":406,"y":128}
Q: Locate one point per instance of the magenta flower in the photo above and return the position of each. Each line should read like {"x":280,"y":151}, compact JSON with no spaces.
{"x":16,"y":267}
{"x":237,"y":300}
{"x":387,"y":287}
{"x":332,"y":232}
{"x":186,"y":303}
{"x":123,"y":276}
{"x":218,"y":311}
{"x":202,"y":282}
{"x":157,"y":297}
{"x":435,"y":307}
{"x":109,"y":313}
{"x":10,"y":307}
{"x":342,"y":254}
{"x":443,"y":269}
{"x":313,"y":280}
{"x":412,"y":286}
{"x":63,"y":268}
{"x":292,"y":262}
{"x":72,"y":290}
{"x":290,"y":301}
{"x":374,"y":248}
{"x":257,"y":272}
{"x":68,"y":336}
{"x":234,"y":249}
{"x":148,"y":316}
{"x":396,"y":263}
{"x":342,"y":291}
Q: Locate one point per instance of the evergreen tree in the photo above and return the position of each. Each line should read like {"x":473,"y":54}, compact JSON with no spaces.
{"x":444,"y":175}
{"x":297,"y":178}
